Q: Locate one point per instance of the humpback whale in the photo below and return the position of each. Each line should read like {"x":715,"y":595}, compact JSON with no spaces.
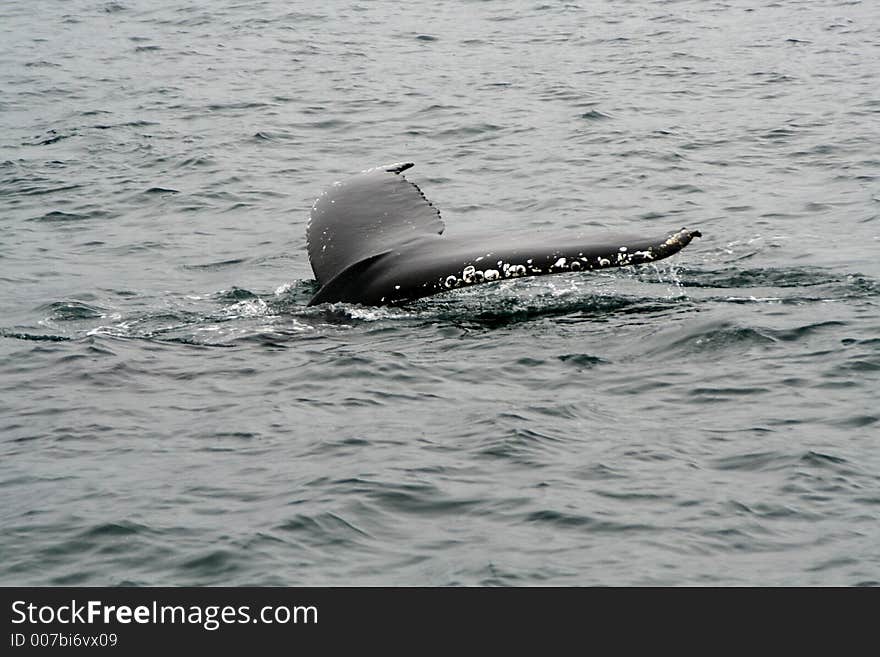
{"x":375,"y":239}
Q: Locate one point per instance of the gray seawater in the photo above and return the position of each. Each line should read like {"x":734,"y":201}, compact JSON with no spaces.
{"x":171,"y":413}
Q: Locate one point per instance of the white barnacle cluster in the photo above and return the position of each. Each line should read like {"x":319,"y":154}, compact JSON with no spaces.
{"x":578,"y":263}
{"x":672,"y":240}
{"x":511,"y":271}
{"x":623,"y":258}
{"x":562,"y":264}
{"x":470,"y":275}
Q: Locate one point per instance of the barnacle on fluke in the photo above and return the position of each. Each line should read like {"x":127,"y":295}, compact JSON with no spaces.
{"x":375,"y":239}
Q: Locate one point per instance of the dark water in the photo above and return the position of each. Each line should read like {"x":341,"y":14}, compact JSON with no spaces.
{"x":172,"y":413}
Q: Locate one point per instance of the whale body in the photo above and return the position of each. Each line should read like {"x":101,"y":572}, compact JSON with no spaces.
{"x":375,"y":239}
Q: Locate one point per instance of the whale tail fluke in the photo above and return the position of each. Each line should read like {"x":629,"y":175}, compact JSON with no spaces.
{"x":375,"y":239}
{"x":361,"y":216}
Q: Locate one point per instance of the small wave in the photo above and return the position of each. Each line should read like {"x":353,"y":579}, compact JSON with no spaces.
{"x":254,"y":307}
{"x":36,"y":337}
{"x":194,"y":161}
{"x":214,"y":266}
{"x":769,"y":461}
{"x":57,"y":216}
{"x":581,"y":361}
{"x":36,"y":190}
{"x":476,"y":132}
{"x":210,"y":564}
{"x":821,"y":283}
{"x":110,"y":529}
{"x":323,"y":529}
{"x":223,"y":319}
{"x":497,"y":311}
{"x":243,"y":105}
{"x":563,"y":520}
{"x":293,"y":296}
{"x":51,"y":137}
{"x":235,"y":294}
{"x":41,"y":63}
{"x":595,"y":115}
{"x":735,"y":277}
{"x":370,"y":314}
{"x":791,"y":335}
{"x":712,"y":337}
{"x":519,"y":445}
{"x":419,"y":499}
{"x":66,"y":311}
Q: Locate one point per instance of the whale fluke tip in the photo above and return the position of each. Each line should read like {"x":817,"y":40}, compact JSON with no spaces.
{"x":396,"y":167}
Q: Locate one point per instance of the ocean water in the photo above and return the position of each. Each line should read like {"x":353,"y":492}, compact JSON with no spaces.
{"x":171,"y":412}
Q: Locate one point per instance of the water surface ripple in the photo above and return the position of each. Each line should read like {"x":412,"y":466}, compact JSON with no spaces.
{"x":172,"y":413}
